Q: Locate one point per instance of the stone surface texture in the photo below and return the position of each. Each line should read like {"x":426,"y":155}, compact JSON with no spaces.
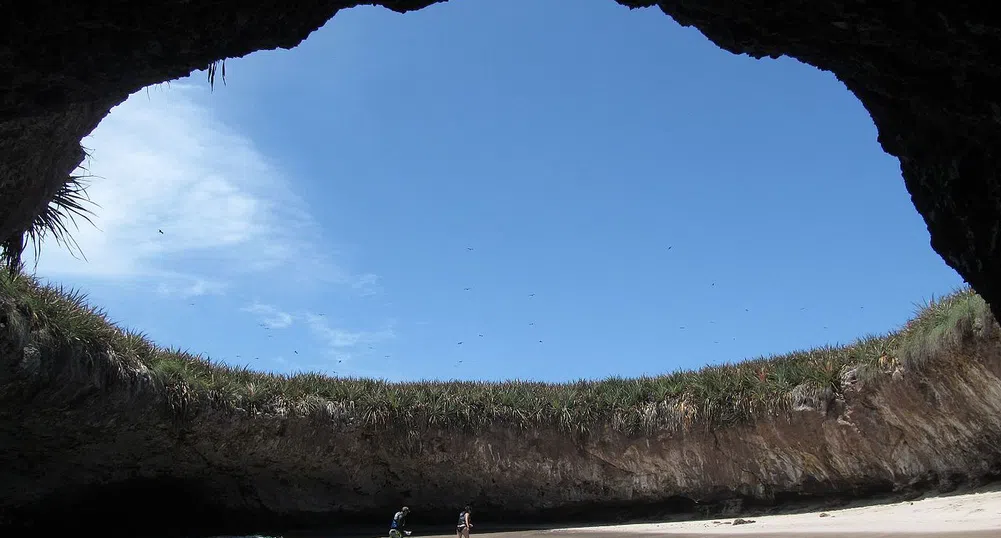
{"x":106,"y":450}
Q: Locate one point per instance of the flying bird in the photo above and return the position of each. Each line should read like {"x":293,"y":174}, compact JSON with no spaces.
{"x":459,"y":344}
{"x":480,"y":335}
{"x":161,"y":232}
{"x":469,"y":248}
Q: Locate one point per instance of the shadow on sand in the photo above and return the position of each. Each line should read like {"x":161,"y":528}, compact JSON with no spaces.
{"x":527,"y":529}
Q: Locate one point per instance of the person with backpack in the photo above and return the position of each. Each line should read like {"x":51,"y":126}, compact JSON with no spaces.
{"x":462,"y":528}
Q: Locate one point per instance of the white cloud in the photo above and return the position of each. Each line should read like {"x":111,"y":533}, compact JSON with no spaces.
{"x":190,"y":207}
{"x":339,"y":343}
{"x":270,"y":317}
{"x":187,"y":202}
{"x":344,"y":343}
{"x":366,"y":284}
{"x":194,"y":287}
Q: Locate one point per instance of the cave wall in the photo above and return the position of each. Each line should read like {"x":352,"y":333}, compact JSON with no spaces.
{"x":98,"y":442}
{"x":927,"y":73}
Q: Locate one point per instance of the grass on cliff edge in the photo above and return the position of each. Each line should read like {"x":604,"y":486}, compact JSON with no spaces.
{"x":55,"y":319}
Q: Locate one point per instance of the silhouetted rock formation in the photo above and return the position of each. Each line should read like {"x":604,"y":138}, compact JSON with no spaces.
{"x":928,"y":74}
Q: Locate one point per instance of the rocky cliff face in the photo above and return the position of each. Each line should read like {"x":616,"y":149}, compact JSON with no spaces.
{"x":930,"y":76}
{"x":107,"y":449}
{"x":108,"y":453}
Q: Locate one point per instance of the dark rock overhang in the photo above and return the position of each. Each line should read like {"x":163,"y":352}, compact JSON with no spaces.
{"x":927,"y":73}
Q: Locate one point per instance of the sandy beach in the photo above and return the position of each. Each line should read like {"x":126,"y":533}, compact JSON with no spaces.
{"x":969,"y":515}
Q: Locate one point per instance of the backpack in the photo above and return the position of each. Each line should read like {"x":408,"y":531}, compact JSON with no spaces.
{"x":462,"y":518}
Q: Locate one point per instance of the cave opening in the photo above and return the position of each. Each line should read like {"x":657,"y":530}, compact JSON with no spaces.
{"x":949,"y":173}
{"x":587,"y":99}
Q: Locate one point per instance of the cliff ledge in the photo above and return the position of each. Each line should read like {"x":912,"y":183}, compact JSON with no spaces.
{"x":102,"y":429}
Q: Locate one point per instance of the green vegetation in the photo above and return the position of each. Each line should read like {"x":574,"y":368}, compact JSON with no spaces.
{"x":69,"y":202}
{"x":57,"y":320}
{"x":213,"y":68}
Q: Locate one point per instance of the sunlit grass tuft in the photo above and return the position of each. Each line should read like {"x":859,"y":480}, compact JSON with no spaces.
{"x":712,"y":397}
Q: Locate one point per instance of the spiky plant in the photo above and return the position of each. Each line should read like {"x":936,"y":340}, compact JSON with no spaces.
{"x":713,"y":397}
{"x":213,"y":68}
{"x":69,"y":202}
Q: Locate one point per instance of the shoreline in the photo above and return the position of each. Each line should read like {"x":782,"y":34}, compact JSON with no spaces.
{"x":968,"y":514}
{"x":964,"y":514}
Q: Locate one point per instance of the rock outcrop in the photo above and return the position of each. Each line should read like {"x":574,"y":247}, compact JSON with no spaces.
{"x":93,"y":442}
{"x":106,"y":455}
{"x":929,"y":75}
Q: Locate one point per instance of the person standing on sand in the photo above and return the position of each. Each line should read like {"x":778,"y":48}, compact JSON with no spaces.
{"x":462,"y":529}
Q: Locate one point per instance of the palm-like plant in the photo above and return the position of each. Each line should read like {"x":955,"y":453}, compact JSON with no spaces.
{"x":70,"y":201}
{"x":213,"y":68}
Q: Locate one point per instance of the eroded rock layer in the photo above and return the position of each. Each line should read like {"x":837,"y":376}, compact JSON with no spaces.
{"x":90,"y":446}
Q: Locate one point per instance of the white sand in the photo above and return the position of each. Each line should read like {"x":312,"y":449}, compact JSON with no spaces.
{"x":954,"y":513}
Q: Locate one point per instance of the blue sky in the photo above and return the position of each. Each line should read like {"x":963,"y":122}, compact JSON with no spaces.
{"x":636,"y":201}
